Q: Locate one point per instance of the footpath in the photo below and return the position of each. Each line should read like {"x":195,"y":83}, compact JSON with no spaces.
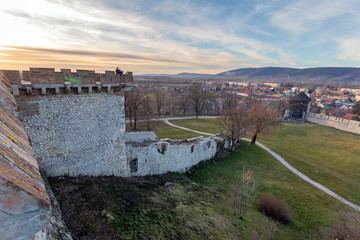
{"x":280,"y":159}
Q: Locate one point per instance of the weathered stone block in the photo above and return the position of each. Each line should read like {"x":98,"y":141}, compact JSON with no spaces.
{"x":44,"y":76}
{"x":109,"y":78}
{"x":13,"y":76}
{"x":127,"y":77}
{"x":22,"y":214}
{"x":84,"y":76}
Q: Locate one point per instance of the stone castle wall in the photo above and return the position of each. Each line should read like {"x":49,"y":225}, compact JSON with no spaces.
{"x":338,"y":123}
{"x":75,"y":123}
{"x":76,"y":134}
{"x":25,"y":207}
{"x":48,"y":76}
{"x":149,"y":156}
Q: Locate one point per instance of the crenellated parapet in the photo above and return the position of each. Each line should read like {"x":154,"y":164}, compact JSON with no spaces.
{"x":45,"y":81}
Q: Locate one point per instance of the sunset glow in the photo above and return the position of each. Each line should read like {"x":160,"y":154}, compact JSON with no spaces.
{"x":178,"y":36}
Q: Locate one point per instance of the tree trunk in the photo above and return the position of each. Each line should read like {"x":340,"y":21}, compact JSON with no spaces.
{"x":130,"y":118}
{"x":253,"y":140}
{"x":135,"y":123}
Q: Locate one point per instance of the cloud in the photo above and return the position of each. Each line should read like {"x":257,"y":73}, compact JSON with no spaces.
{"x":186,"y":34}
{"x":102,"y":54}
{"x":301,"y":16}
{"x":350,"y":49}
{"x":24,"y":57}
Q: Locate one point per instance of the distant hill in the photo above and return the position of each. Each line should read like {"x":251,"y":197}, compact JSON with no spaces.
{"x":320,"y":74}
{"x":307,"y":74}
{"x":191,"y":75}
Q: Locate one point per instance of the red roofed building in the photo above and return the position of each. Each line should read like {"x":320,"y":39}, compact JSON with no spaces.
{"x":348,"y":116}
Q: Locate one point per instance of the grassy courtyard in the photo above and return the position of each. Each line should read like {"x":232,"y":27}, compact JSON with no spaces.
{"x":162,"y":130}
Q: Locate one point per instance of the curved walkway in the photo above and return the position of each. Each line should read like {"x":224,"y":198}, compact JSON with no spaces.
{"x":175,"y":118}
{"x":287,"y":165}
{"x":187,"y":129}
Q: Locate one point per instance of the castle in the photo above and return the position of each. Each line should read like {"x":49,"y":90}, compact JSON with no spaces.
{"x":72,"y":123}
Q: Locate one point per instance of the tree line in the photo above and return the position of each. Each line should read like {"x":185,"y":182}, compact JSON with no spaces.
{"x":238,"y":115}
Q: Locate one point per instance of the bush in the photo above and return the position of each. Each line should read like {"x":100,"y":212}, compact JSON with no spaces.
{"x":347,"y":226}
{"x":276,"y":208}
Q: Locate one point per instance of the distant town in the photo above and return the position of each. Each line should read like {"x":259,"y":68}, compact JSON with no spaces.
{"x":330,"y":100}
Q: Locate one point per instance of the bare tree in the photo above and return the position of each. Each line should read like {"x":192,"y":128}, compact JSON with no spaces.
{"x":282,"y":106}
{"x":231,"y":101}
{"x":135,"y":100}
{"x":158,"y":99}
{"x":170,"y":104}
{"x":183,"y":104}
{"x":197,"y":97}
{"x":128,"y":106}
{"x":236,"y":124}
{"x":242,"y":192}
{"x":147,"y":111}
{"x":264,"y":229}
{"x":262,"y":115}
{"x":217,"y":103}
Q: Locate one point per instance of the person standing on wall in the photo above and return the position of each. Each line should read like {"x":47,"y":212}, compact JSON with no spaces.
{"x":118,"y":71}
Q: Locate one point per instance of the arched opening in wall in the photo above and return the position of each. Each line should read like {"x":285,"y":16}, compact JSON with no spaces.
{"x":208,"y":144}
{"x":133,"y":165}
{"x":192,"y":148}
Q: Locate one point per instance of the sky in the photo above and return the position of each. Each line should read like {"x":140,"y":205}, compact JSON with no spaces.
{"x":173,"y":36}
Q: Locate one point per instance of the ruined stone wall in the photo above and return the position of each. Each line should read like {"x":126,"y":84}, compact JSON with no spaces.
{"x":76,"y":134}
{"x":25,"y":209}
{"x":149,"y":156}
{"x":338,"y":123}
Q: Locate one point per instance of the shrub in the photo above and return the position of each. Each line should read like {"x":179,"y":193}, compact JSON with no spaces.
{"x":243,"y":188}
{"x":347,"y":226}
{"x":264,"y":229}
{"x":276,"y":208}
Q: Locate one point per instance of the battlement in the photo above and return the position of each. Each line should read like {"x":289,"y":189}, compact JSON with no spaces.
{"x":44,"y":81}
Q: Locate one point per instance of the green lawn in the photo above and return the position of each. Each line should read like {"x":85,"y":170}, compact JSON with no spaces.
{"x":197,"y":206}
{"x":326,"y":155}
{"x":313,"y":209}
{"x":209,"y":125}
{"x":162,"y":130}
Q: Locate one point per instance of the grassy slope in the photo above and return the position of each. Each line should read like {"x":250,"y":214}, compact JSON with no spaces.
{"x":313,"y":210}
{"x":162,"y":130}
{"x":143,"y":208}
{"x":209,"y":125}
{"x":328,"y":156}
